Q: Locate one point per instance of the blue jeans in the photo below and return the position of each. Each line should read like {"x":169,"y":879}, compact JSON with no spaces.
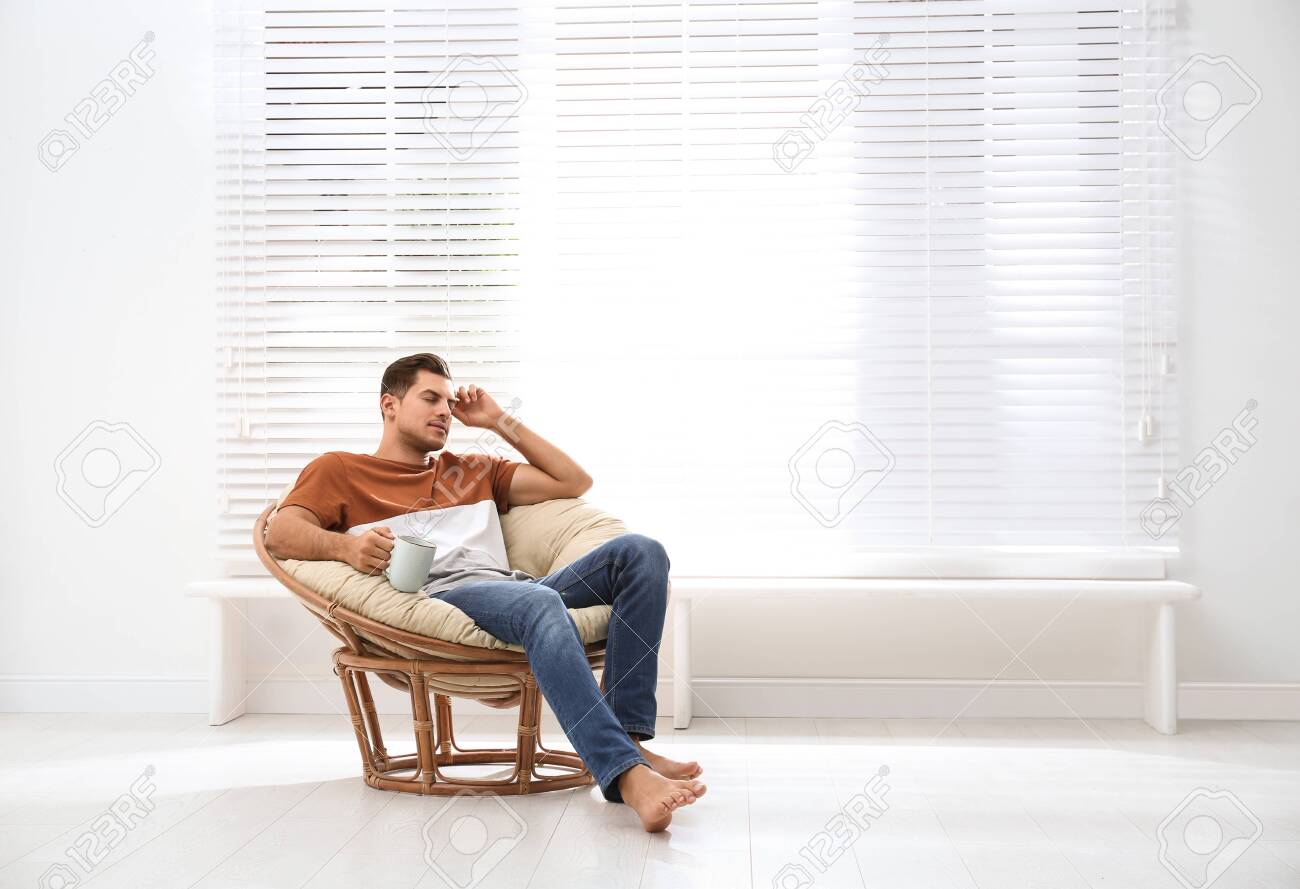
{"x":629,"y":573}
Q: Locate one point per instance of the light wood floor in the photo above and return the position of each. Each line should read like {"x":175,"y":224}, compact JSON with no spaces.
{"x":276,"y":801}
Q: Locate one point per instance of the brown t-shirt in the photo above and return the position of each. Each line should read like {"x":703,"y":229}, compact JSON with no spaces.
{"x":452,"y":501}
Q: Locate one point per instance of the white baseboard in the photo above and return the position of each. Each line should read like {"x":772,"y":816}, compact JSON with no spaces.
{"x":725,"y":697}
{"x":1239,"y":700}
{"x":60,"y":693}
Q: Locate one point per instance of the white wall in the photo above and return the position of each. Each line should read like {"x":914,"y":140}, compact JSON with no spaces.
{"x":108,"y":315}
{"x":1241,"y":318}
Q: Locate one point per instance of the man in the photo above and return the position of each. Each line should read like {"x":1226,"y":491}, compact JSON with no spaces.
{"x":348,"y":507}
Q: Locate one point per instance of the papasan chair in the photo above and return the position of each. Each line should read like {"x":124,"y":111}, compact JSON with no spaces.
{"x":433,"y":651}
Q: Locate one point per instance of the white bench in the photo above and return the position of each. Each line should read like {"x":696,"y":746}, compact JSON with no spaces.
{"x":226,"y":695}
{"x":1157,"y":598}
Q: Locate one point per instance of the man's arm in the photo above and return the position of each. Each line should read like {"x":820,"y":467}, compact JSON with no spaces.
{"x":296,"y":534}
{"x":549,"y":473}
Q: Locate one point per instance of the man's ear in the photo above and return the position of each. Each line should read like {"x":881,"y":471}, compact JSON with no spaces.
{"x":386,"y":401}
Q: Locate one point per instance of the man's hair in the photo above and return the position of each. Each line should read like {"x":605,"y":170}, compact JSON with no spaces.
{"x":400,"y":375}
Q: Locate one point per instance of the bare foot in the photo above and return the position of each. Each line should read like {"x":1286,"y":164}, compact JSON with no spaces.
{"x":670,"y":768}
{"x":654,"y":798}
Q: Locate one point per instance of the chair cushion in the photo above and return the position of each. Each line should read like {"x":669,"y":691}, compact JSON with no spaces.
{"x":540,"y":539}
{"x":543,"y":538}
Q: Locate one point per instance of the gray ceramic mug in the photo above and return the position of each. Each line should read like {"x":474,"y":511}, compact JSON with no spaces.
{"x":409,"y":563}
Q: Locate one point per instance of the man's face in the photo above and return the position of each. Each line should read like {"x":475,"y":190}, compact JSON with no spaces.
{"x":423,"y":414}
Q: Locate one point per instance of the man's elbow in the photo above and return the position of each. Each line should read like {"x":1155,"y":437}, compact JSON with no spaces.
{"x":277,"y":540}
{"x":581,"y":485}
{"x":272,"y":541}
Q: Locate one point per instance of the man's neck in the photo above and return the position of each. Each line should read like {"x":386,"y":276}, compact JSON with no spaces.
{"x":392,"y":449}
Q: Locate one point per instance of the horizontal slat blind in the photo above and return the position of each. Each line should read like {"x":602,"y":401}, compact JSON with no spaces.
{"x":1000,"y":154}
{"x":962,"y":286}
{"x":970,"y":265}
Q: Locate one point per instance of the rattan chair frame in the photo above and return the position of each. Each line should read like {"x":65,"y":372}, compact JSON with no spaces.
{"x":405,"y":668}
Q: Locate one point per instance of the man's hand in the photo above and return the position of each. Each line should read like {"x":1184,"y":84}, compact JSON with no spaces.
{"x":369,"y":552}
{"x":474,"y":407}
{"x":549,"y":472}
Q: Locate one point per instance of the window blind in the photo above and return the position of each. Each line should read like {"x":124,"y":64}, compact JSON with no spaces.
{"x":800,"y":284}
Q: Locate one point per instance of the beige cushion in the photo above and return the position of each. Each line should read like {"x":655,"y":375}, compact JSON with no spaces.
{"x":543,"y":538}
{"x":540,"y":539}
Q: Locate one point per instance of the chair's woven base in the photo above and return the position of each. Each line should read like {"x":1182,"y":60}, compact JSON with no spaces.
{"x":435,"y":741}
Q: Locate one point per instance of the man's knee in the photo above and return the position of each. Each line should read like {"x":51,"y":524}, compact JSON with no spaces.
{"x":645,"y":548}
{"x":544,"y":606}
